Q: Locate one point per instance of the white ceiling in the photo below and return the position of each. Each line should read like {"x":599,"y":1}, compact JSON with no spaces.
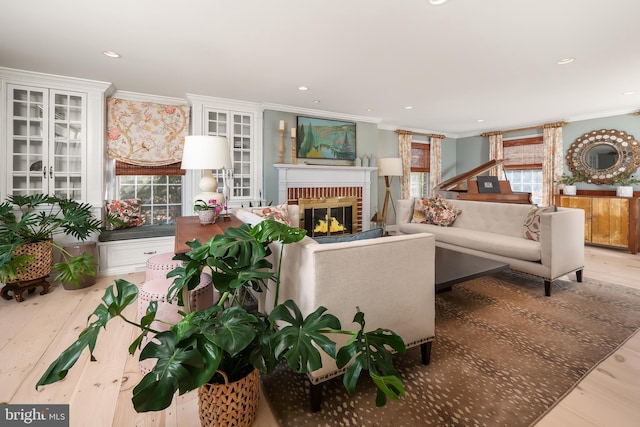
{"x":455,"y":63}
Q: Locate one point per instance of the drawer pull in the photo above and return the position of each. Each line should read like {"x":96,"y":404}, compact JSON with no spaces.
{"x":150,"y":252}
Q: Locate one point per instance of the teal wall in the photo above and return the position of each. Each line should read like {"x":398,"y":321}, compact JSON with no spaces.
{"x":474,"y":150}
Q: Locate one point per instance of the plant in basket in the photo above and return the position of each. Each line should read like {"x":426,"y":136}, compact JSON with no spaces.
{"x":28,"y":225}
{"x":229,"y":340}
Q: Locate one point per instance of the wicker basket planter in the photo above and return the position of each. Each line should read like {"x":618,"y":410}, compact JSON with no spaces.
{"x":41,"y":264}
{"x":231,"y":404}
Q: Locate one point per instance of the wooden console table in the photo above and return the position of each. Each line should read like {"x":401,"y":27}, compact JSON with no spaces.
{"x":188,"y":228}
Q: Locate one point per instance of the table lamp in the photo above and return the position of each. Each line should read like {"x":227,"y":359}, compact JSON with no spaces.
{"x":207,"y":153}
{"x":388,"y":167}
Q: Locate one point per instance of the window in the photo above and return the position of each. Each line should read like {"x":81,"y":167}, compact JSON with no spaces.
{"x":419,"y":169}
{"x":161,"y":196}
{"x":523,"y":165}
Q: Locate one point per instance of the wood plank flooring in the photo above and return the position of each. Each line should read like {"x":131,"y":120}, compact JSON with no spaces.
{"x":33,"y":333}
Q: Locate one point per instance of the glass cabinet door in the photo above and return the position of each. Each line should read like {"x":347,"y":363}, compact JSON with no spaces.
{"x":66,"y":144}
{"x":27,"y":133}
{"x":46,"y":135}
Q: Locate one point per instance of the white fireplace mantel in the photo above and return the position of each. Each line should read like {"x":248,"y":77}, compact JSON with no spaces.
{"x":316,"y":176}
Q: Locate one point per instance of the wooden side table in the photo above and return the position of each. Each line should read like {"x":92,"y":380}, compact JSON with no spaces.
{"x":188,"y":228}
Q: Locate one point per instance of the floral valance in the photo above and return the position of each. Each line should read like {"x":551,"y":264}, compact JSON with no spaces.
{"x":144,"y":133}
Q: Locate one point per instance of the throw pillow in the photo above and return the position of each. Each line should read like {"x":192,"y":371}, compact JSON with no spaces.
{"x":441,"y":212}
{"x":363,"y":235}
{"x":419,"y":207}
{"x":126,"y":213}
{"x":532,"y":223}
{"x":278,"y":213}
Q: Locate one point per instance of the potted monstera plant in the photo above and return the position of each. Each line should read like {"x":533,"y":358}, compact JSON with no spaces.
{"x":28,"y":225}
{"x":230,"y":341}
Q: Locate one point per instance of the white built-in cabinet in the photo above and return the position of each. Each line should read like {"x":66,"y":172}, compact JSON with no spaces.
{"x":52,"y":136}
{"x":241,"y":124}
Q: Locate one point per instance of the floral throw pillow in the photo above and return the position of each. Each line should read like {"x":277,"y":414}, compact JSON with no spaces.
{"x":419,"y":208}
{"x":278,"y":213}
{"x":441,"y":212}
{"x":532,"y":223}
{"x":125,"y":212}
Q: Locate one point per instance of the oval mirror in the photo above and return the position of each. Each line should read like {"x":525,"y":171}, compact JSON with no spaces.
{"x":603,"y":154}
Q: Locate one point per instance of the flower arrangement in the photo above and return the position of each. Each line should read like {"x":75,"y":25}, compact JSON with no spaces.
{"x":212,"y":204}
{"x":578,"y":176}
{"x":625,"y":178}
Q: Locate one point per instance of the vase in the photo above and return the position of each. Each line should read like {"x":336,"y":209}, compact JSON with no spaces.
{"x":78,"y":249}
{"x":569,"y":190}
{"x":624,"y":191}
{"x":208,"y":216}
{"x":230,"y":404}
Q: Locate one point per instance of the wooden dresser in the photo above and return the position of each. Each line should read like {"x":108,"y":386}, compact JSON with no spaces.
{"x":609,"y":220}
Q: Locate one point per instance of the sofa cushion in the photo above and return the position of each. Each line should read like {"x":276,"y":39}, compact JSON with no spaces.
{"x":532,"y":223}
{"x":126,"y":212}
{"x":494,"y":243}
{"x":278,"y":213}
{"x":440,"y":212}
{"x":419,"y":208}
{"x":363,"y":235}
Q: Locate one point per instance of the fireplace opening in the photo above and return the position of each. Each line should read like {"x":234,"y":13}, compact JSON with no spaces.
{"x":329,"y":216}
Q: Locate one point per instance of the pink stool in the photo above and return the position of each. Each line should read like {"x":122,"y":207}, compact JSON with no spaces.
{"x":200,"y":298}
{"x":159,"y":265}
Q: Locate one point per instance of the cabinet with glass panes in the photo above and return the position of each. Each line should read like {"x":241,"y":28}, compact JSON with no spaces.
{"x":46,"y":138}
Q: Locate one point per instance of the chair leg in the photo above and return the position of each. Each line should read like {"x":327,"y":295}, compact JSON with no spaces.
{"x":579,"y":275}
{"x":425,"y":350}
{"x":316,"y":397}
{"x":547,"y":288}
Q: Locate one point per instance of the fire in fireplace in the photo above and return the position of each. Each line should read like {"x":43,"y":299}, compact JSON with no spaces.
{"x":328,"y":216}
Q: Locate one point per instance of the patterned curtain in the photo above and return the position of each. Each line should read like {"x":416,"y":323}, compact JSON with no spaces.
{"x":404,"y":146}
{"x":552,"y":167}
{"x":435,"y":163}
{"x":144,"y":133}
{"x":496,"y":152}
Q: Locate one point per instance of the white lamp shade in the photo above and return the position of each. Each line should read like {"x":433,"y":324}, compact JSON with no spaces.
{"x":390,"y":166}
{"x":206,"y":152}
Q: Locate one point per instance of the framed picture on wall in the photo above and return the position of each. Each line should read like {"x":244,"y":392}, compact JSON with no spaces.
{"x":325,"y":139}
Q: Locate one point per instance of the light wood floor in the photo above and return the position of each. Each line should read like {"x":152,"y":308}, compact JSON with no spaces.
{"x":34,"y":332}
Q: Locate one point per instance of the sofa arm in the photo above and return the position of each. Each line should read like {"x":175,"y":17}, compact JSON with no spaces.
{"x":562,"y":241}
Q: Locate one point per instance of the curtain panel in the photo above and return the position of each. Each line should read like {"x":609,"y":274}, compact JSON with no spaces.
{"x":496,"y":152}
{"x":435,"y":164}
{"x":404,"y":147}
{"x":144,"y":133}
{"x":552,"y":168}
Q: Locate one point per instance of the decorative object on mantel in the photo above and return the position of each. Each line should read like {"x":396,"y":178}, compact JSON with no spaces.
{"x":206,"y":152}
{"x":357,"y":162}
{"x":293,"y":146}
{"x":602,"y":155}
{"x":208,"y":212}
{"x":569,"y":181}
{"x":281,"y":146}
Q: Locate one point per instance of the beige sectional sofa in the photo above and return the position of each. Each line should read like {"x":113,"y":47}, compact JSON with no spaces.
{"x":390,"y":278}
{"x":496,"y":231}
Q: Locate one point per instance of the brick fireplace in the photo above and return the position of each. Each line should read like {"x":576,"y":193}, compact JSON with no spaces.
{"x":297,"y":181}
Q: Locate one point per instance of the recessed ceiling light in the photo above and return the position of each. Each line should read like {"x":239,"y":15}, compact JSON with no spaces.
{"x":408,"y":107}
{"x":316,"y":101}
{"x":565,"y":61}
{"x":480,"y":120}
{"x":631,"y":92}
{"x":303,"y":88}
{"x":111,"y":54}
{"x":437,"y":2}
{"x":369,"y":109}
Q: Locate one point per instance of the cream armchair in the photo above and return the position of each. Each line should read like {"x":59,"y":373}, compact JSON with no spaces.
{"x":391,"y":280}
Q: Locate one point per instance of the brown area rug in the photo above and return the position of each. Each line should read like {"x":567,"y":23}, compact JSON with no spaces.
{"x":503,"y":355}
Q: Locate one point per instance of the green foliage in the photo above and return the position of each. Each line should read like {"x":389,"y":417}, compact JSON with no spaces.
{"x":574,"y":178}
{"x":624,"y":178}
{"x":42,"y":217}
{"x":227,"y":336}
